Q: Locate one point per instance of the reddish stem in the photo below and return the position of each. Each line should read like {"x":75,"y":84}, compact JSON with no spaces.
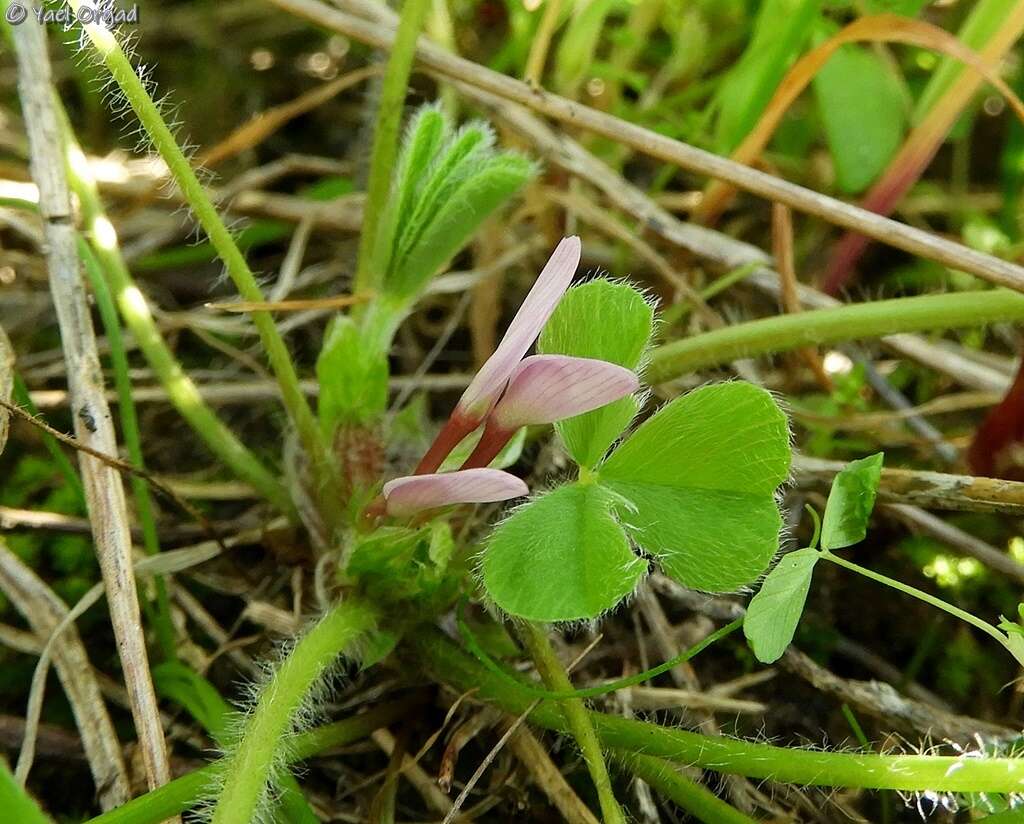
{"x":491,"y":443}
{"x":457,"y":428}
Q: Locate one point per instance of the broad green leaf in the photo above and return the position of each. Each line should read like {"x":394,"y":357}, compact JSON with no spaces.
{"x":864,"y":109}
{"x":774,"y":612}
{"x":608,"y":321}
{"x":850,"y":502}
{"x":698,"y":482}
{"x":562,"y":557}
{"x":353,"y":377}
{"x":781,"y":30}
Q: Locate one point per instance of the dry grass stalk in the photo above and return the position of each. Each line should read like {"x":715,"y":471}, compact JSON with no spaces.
{"x":44,"y":611}
{"x":93,"y":423}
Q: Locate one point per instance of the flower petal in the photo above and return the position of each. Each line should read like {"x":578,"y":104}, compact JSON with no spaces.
{"x":548,"y":388}
{"x":414,"y":493}
{"x":548,"y":289}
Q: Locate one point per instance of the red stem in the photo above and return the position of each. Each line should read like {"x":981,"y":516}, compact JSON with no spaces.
{"x":491,"y":443}
{"x":457,"y":427}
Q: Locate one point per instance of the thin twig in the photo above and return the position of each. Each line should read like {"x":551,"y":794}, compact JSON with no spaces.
{"x":93,"y":423}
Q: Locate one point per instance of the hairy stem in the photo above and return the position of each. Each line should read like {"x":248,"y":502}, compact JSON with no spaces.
{"x":385,"y":138}
{"x":824,"y":326}
{"x":576,"y":718}
{"x":250,"y":767}
{"x":667,"y":779}
{"x":910,"y":773}
{"x":124,"y":75}
{"x":137,"y":317}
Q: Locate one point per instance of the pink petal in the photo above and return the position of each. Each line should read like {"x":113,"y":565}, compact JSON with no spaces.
{"x":548,"y":289}
{"x":548,"y":388}
{"x":414,"y":493}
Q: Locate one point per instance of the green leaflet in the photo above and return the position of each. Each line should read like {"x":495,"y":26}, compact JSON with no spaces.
{"x":561,"y":557}
{"x":694,"y":486}
{"x":850,"y":502}
{"x":447,"y":185}
{"x":774,"y":612}
{"x":781,"y":31}
{"x":698,"y":480}
{"x":864,"y":109}
{"x":609,"y":321}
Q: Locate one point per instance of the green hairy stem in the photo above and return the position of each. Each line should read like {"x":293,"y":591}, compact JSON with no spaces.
{"x":385,"y":137}
{"x":824,"y":326}
{"x":185,"y":792}
{"x":894,"y":772}
{"x":299,"y":411}
{"x":181,"y":391}
{"x":250,"y":767}
{"x":576,"y":718}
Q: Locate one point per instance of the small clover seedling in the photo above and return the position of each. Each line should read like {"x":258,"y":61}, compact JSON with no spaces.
{"x":775,"y":611}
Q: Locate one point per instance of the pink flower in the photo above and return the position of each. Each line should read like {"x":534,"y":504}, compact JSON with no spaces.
{"x":510,"y":391}
{"x":414,"y":493}
{"x":549,"y":388}
{"x":485,"y":389}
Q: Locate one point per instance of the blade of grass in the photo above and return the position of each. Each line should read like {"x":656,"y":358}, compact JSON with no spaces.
{"x":16,"y":803}
{"x":856,"y":321}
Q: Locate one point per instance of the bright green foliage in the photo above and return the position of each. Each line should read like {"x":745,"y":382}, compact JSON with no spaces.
{"x":700,"y":479}
{"x":353,"y":376}
{"x":864,"y":109}
{"x":985,"y":19}
{"x":394,"y":564}
{"x":608,"y":321}
{"x":447,"y":183}
{"x":694,"y":486}
{"x":850,"y":503}
{"x":781,"y":31}
{"x":577,"y":47}
{"x":16,"y":804}
{"x":561,"y":557}
{"x":774,"y":612}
